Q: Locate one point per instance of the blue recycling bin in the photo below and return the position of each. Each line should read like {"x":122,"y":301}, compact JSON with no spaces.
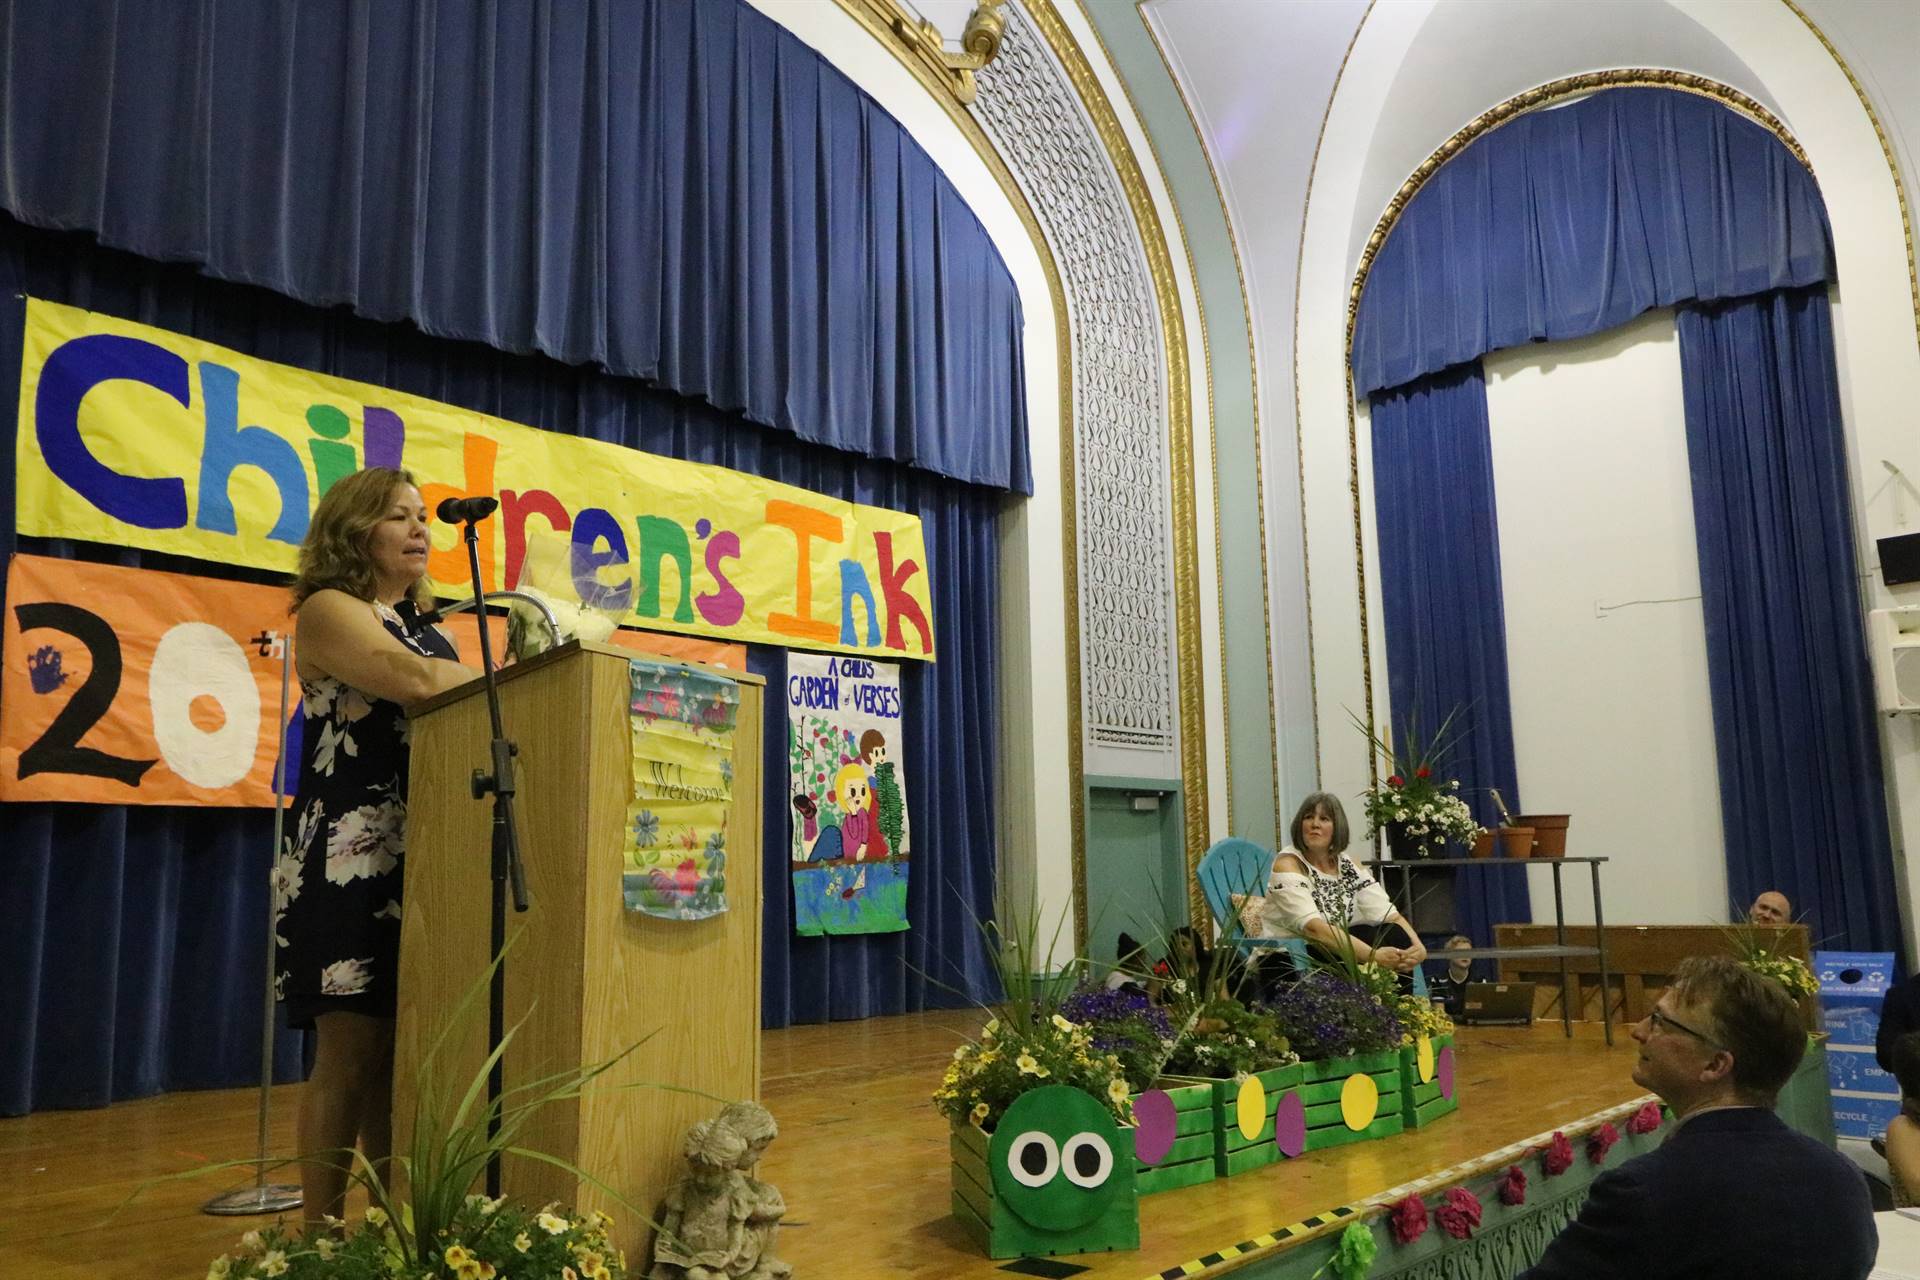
{"x":1852,"y":986}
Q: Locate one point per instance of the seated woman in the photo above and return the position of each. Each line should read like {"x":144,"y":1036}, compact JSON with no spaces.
{"x":1318,"y":893}
{"x":1903,"y":1134}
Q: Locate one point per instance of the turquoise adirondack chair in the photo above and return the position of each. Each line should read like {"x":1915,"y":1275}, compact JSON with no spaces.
{"x":1240,"y":866}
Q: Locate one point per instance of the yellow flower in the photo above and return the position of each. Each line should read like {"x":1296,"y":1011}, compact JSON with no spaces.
{"x":567,"y":1273}
{"x":219,"y":1268}
{"x":550,"y":1223}
{"x":1062,"y":1023}
{"x":457,"y":1255}
{"x":989,"y":1055}
{"x":250,"y":1243}
{"x":273,"y":1263}
{"x":325,"y":1247}
{"x":987,"y":1032}
{"x":592,"y":1265}
{"x":523,"y":1242}
{"x":376,"y":1216}
{"x":1029,"y":1066}
{"x":1117,"y":1089}
{"x":980,"y":1113}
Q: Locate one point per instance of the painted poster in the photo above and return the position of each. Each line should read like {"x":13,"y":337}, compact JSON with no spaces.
{"x":851,"y":839}
{"x":682,"y":734}
{"x":138,"y":437}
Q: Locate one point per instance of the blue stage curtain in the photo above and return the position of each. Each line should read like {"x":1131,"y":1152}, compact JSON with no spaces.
{"x":1568,"y":222}
{"x":132,"y":937}
{"x":1801,"y":795}
{"x":680,"y":192}
{"x":1445,"y":617}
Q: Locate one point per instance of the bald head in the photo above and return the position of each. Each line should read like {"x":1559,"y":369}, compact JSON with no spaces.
{"x":1771,"y":907}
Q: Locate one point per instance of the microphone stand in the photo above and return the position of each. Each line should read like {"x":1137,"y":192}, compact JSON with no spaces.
{"x":506,"y":868}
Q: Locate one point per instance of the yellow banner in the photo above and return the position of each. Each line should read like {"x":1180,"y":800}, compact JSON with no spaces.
{"x":139,"y":437}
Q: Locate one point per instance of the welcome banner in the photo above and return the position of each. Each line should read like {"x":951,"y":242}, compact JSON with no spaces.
{"x":132,"y":686}
{"x":140,"y":437}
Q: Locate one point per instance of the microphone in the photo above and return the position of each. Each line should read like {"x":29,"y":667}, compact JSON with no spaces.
{"x":465,"y":510}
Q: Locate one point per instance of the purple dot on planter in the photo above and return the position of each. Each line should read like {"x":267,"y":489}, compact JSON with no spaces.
{"x":702,"y":527}
{"x":1290,"y":1124}
{"x":1443,"y":1072}
{"x":1156,"y":1124}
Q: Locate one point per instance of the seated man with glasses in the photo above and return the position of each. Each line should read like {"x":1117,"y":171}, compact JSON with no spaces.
{"x":1732,"y":1192}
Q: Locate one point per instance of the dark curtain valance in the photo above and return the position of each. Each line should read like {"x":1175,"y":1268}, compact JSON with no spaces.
{"x":681,"y":192}
{"x":1572,"y":221}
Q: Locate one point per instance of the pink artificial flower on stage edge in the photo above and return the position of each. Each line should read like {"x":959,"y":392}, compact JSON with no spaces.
{"x":1559,"y":1156}
{"x":1408,"y":1219}
{"x":1601,"y":1141}
{"x":1646,"y":1119}
{"x":1513,"y":1185}
{"x":1459,"y":1212}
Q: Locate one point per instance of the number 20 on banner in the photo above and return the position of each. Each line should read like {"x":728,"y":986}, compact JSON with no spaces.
{"x":119,"y":687}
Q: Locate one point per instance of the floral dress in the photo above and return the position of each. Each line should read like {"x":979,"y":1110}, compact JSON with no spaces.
{"x":336,"y":882}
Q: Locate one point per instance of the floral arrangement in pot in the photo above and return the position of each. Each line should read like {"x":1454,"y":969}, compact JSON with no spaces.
{"x":1124,"y":1024}
{"x":1225,"y":1038}
{"x":484,"y":1239}
{"x":1418,"y":811}
{"x":1327,"y":1014}
{"x":1027,"y":1043}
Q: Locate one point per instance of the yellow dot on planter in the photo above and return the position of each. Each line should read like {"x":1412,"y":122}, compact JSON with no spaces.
{"x":1359,"y":1101}
{"x":1251,"y":1108}
{"x":1423,"y":1055}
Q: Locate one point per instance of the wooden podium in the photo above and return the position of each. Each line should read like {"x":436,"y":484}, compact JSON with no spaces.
{"x":589,"y":977}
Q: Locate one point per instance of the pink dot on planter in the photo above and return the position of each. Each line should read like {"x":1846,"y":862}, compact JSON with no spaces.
{"x":1156,"y":1123}
{"x":1443,"y":1072}
{"x":1290,"y":1124}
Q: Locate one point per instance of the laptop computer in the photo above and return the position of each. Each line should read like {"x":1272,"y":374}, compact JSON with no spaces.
{"x":1496,"y":1004}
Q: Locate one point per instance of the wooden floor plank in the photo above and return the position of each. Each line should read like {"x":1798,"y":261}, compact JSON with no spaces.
{"x":862,"y":1159}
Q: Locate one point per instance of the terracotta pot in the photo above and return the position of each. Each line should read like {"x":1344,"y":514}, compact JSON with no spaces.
{"x":1516,"y":842}
{"x":1483,"y":844}
{"x":1549,"y":833}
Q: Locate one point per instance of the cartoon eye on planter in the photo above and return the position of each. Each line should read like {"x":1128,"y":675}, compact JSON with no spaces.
{"x":1054,"y":1168}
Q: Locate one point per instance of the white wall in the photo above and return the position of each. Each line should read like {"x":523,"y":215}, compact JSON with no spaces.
{"x":1606,"y":648}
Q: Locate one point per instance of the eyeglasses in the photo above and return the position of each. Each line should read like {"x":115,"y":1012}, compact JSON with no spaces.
{"x":1666,"y":1021}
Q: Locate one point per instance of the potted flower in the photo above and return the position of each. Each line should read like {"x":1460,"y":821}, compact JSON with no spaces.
{"x":1349,"y":1041}
{"x":1034,"y":1071}
{"x":1418,"y":810}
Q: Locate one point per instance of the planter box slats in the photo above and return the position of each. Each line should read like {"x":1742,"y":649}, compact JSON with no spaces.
{"x":1421,"y":1103}
{"x":1338,"y":1135}
{"x":1190,"y":1161}
{"x":1325,"y":1083}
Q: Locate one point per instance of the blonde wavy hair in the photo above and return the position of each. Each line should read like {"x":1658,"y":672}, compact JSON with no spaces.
{"x":334,"y":554}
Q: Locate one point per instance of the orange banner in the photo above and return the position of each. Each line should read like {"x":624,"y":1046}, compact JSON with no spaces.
{"x":132,"y":686}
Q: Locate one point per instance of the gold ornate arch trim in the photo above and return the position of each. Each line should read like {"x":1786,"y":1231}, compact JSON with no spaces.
{"x":1186,"y":555}
{"x":879,"y":18}
{"x":1886,"y":149}
{"x":1486,"y":122}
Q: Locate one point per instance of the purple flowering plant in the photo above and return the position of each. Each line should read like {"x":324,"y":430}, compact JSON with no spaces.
{"x":1328,"y":1016}
{"x":1126,"y":1024}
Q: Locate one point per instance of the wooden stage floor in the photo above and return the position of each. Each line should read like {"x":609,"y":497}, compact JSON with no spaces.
{"x":862,"y":1159}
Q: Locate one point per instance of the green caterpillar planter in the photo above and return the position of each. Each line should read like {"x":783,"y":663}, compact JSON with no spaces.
{"x":1056,"y":1176}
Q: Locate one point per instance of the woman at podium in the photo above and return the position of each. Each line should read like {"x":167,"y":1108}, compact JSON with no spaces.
{"x":363,"y":655}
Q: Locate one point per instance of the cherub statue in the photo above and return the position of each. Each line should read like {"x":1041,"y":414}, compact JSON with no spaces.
{"x":756,"y":1127}
{"x":703,"y":1222}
